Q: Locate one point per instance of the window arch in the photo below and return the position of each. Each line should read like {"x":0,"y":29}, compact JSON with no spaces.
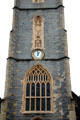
{"x":38,"y":32}
{"x":37,"y":92}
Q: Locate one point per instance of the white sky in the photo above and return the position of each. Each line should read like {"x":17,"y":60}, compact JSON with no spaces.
{"x":72,"y":24}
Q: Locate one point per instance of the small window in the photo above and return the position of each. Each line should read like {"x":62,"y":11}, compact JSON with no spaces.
{"x":38,"y":1}
{"x":38,"y":84}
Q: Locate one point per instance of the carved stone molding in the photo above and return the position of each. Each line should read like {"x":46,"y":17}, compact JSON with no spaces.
{"x":38,"y":33}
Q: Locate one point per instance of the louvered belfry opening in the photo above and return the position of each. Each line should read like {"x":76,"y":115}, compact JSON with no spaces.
{"x":38,"y":90}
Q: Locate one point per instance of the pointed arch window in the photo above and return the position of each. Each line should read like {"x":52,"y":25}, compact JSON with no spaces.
{"x":37,"y":95}
{"x":38,"y":33}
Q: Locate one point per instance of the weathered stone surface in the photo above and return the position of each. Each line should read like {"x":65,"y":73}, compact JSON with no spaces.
{"x":55,"y":60}
{"x":61,"y":93}
{"x":28,"y":4}
{"x":54,"y":34}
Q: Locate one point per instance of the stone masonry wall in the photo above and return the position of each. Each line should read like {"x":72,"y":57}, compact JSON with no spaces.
{"x":61,"y":98}
{"x":20,"y":60}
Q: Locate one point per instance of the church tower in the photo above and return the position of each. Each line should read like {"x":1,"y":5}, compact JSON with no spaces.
{"x":38,"y":77}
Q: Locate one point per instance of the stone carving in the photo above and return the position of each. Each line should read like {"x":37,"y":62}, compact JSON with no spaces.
{"x":38,"y":33}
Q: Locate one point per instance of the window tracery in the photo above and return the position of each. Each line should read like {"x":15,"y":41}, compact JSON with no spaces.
{"x":38,"y":32}
{"x":37,"y":92}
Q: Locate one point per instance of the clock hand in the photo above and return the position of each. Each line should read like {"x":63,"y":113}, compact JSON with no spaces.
{"x":38,"y":53}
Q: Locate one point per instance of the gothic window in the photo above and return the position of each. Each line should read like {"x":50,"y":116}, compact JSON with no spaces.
{"x":38,"y":1}
{"x":38,"y":33}
{"x":37,"y":96}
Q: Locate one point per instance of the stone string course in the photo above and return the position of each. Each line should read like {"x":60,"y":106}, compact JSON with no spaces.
{"x":20,"y":47}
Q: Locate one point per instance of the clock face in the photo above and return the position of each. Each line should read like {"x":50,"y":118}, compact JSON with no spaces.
{"x":37,"y":54}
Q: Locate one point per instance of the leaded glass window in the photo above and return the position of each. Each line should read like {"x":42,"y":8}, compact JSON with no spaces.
{"x":38,"y":90}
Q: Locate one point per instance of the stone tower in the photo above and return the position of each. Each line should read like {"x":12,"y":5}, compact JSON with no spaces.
{"x":38,"y":77}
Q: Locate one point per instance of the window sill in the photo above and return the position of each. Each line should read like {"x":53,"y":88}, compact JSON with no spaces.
{"x":37,"y":112}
